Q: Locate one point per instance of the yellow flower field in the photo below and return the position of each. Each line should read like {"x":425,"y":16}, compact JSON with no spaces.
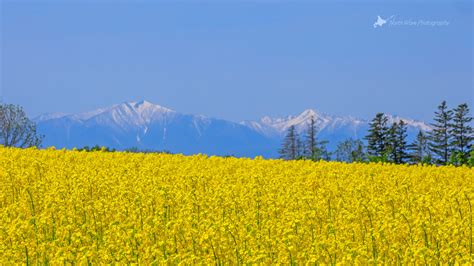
{"x":97,"y":207}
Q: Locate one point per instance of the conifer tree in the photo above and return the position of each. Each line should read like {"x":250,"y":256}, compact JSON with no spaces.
{"x":396,"y":142}
{"x":470,"y":160}
{"x":401,"y":142}
{"x":291,"y":147}
{"x":300,"y":147}
{"x":391,"y":147}
{"x":313,"y":148}
{"x":377,"y":137}
{"x":462,"y":134}
{"x":440,"y":137}
{"x":419,"y":149}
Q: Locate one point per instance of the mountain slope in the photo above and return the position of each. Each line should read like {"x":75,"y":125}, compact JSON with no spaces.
{"x":331,"y":128}
{"x":152,"y":127}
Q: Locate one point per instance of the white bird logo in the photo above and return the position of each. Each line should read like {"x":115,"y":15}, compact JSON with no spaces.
{"x":380,"y":21}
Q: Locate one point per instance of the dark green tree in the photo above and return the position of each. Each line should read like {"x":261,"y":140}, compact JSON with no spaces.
{"x":419,"y":149}
{"x":470,"y":161}
{"x":440,"y":137}
{"x":396,"y":142}
{"x":391,"y":147}
{"x":291,"y":147}
{"x":377,"y":138}
{"x":462,"y":134}
{"x":400,"y":146}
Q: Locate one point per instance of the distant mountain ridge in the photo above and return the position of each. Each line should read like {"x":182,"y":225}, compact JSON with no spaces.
{"x":149,"y":126}
{"x":278,"y":126}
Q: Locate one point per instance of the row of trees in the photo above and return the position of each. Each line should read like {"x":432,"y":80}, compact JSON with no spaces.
{"x":449,"y":141}
{"x":294,"y":147}
{"x":309,"y":147}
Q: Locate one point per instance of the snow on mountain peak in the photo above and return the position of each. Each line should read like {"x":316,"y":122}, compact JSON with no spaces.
{"x":49,"y":116}
{"x":130,"y":114}
{"x":123,"y":115}
{"x":323,"y":122}
{"x":143,"y":106}
{"x":277,"y":126}
{"x":308,"y":113}
{"x":146,"y":125}
{"x":138,"y":116}
{"x":299,"y":121}
{"x":410,"y":122}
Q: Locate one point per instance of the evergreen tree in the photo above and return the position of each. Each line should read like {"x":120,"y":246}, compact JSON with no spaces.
{"x":419,"y":149}
{"x":401,"y":142}
{"x":470,"y":161}
{"x":300,"y":147}
{"x":462,"y":134}
{"x":440,"y":135}
{"x":391,"y":146}
{"x":314,"y":149}
{"x":311,"y":146}
{"x":377,"y":137}
{"x":396,"y":142}
{"x":291,"y":147}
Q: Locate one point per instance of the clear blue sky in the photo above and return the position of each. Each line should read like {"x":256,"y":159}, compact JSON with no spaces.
{"x":238,"y":59}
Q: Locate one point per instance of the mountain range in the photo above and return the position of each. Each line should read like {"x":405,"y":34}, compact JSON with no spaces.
{"x":148,"y":126}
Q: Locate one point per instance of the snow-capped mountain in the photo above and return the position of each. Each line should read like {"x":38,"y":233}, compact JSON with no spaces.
{"x":410,"y":122}
{"x":331,"y":128}
{"x":148,"y":126}
{"x":49,"y":116}
{"x":152,"y":127}
{"x":276,"y":127}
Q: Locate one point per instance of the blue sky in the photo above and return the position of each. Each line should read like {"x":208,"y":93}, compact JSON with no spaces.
{"x":238,"y":59}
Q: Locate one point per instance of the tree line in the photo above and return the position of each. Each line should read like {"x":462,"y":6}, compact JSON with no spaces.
{"x":448,"y":142}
